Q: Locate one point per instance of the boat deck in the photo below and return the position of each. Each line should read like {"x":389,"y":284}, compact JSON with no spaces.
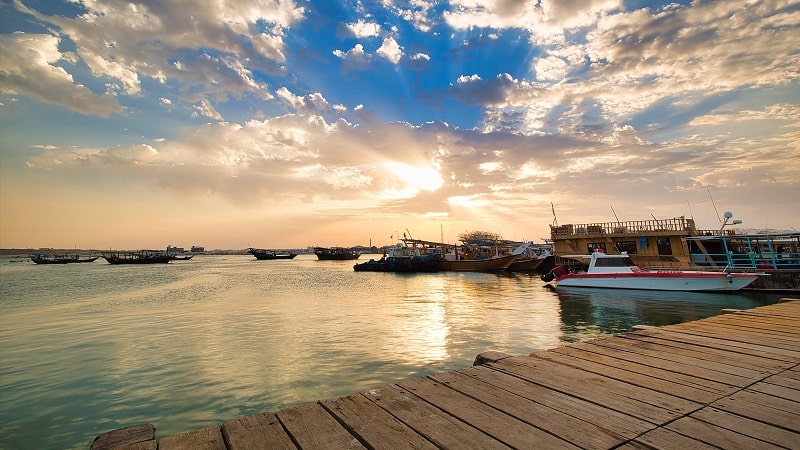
{"x":729,"y":381}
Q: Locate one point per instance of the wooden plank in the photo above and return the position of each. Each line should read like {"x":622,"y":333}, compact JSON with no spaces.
{"x":716,"y":436}
{"x":501,"y":426}
{"x":737,"y":376}
{"x":312,"y":427}
{"x":125,"y":436}
{"x":664,"y":439}
{"x":740,"y":331}
{"x":757,"y":430}
{"x":206,"y":439}
{"x":683,"y":366}
{"x":255,"y":432}
{"x":716,"y":342}
{"x":761,"y":408}
{"x":630,"y":373}
{"x":777,"y":391}
{"x":692,"y":349}
{"x":614,"y":421}
{"x":372,"y":424}
{"x":568,"y":427}
{"x":636,"y":401}
{"x":732,"y":334}
{"x":438,"y":427}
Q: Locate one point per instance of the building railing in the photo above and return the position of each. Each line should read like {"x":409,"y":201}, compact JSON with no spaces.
{"x":679,"y":224}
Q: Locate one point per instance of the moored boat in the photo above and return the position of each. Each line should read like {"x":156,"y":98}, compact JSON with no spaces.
{"x":138,"y":257}
{"x":466,"y":264}
{"x":264,"y":254}
{"x":620,"y":272}
{"x":402,"y":258}
{"x":336,"y":253}
{"x":40,"y":258}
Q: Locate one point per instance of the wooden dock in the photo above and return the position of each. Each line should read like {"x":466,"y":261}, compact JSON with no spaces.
{"x":729,"y":381}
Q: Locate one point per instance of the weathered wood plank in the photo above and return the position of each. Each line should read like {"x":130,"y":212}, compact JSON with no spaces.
{"x":615,"y":422}
{"x":676,"y":335}
{"x":721,"y":369}
{"x":777,"y":391}
{"x":570,"y":428}
{"x":442,"y":429}
{"x":692,"y":349}
{"x":664,"y":439}
{"x":370,"y":423}
{"x":757,"y":430}
{"x":716,"y":436}
{"x":762,"y":408}
{"x":636,"y":401}
{"x":631,"y":373}
{"x":501,"y":426}
{"x":206,"y":439}
{"x":312,"y":427}
{"x":738,"y":335}
{"x":125,"y":436}
{"x":255,"y":432}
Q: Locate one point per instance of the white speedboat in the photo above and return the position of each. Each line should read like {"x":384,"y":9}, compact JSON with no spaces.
{"x":620,"y":272}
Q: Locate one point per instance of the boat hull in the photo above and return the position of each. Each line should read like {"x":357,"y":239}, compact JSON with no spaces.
{"x":670,"y":281}
{"x":335,"y":254}
{"x":478,"y":265}
{"x":400,"y":264}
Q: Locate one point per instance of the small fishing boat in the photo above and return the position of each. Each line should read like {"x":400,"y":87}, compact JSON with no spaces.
{"x":39,"y":258}
{"x":402,"y":258}
{"x":620,"y":272}
{"x":262,"y":254}
{"x":336,"y":253}
{"x":138,"y":257}
{"x":182,"y":258}
{"x":462,"y":264}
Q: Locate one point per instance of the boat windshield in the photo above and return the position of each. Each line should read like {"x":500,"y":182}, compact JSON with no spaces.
{"x":614,"y":262}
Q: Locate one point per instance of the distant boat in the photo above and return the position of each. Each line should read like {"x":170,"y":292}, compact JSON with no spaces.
{"x":402,"y":258}
{"x":138,"y":257}
{"x":336,"y":253}
{"x":182,"y":258}
{"x":620,"y":272}
{"x":39,"y":258}
{"x":262,"y":254}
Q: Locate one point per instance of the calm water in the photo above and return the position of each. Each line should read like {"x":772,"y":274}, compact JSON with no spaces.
{"x":87,"y":348}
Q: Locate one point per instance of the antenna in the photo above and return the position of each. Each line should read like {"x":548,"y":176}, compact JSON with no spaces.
{"x":691,"y":214}
{"x":712,"y":202}
{"x":615,"y":213}
{"x":654,"y":217}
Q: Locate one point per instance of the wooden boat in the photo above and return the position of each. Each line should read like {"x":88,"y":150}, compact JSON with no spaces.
{"x":468,"y":257}
{"x":138,"y":257}
{"x":477,"y":264}
{"x":262,"y":254}
{"x":39,"y":258}
{"x":620,"y":272}
{"x":404,"y":259}
{"x":182,"y":258}
{"x":336,"y":253}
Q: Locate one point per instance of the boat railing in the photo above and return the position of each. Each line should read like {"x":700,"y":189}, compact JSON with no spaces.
{"x":678,"y":224}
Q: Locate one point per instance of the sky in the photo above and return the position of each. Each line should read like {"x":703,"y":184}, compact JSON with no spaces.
{"x":290,"y":123}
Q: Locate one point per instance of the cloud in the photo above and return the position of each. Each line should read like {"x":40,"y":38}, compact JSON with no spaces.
{"x":354,"y":59}
{"x":29,"y":68}
{"x":125,"y":41}
{"x":390,"y":50}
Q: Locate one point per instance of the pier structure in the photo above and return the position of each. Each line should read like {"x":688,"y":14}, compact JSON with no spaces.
{"x":729,"y":381}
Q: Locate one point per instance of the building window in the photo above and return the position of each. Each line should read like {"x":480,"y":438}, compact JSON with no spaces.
{"x":627,"y":246}
{"x":664,"y":246}
{"x":594,"y":246}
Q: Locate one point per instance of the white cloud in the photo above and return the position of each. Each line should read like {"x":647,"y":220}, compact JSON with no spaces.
{"x":28,"y":68}
{"x":390,"y":50}
{"x":354,"y":59}
{"x":363,"y":29}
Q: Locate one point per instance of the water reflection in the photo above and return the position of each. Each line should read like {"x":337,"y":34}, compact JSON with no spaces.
{"x":588,"y":313}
